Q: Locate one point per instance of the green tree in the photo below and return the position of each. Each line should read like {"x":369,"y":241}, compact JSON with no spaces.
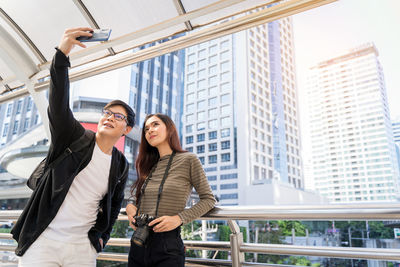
{"x":186,"y":233}
{"x":287,"y":226}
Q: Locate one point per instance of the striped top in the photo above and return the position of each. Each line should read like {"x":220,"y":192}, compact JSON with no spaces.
{"x":185,"y":173}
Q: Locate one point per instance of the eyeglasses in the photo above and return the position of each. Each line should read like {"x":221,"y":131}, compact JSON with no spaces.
{"x":118,"y":116}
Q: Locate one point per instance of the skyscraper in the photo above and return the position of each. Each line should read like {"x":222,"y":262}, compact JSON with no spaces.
{"x":353,"y":152}
{"x":241,"y":112}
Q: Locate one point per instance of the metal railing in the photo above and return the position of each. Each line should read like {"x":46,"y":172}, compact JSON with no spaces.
{"x":237,"y":247}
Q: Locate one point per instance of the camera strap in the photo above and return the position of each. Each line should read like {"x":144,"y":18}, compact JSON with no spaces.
{"x":160,"y":189}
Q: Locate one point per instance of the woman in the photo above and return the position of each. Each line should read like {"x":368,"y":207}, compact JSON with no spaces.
{"x":166,"y":176}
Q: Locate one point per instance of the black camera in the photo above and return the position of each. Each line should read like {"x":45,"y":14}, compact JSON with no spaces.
{"x":142,"y":228}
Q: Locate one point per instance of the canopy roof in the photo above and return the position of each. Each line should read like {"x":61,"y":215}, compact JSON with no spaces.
{"x":29,"y":31}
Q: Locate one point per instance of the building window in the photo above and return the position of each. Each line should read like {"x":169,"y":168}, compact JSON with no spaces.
{"x":201,"y":115}
{"x":212,"y":135}
{"x":5,"y":129}
{"x":225,"y":144}
{"x":202,"y":93}
{"x":225,"y":87}
{"x":225,"y":98}
{"x":225,"y":132}
{"x":189,"y":118}
{"x":228,"y":196}
{"x":212,"y":124}
{"x":225,"y":157}
{"x":15,"y":129}
{"x":201,"y":126}
{"x":212,"y":49}
{"x":189,"y":139}
{"x":30,"y":103}
{"x":212,"y":70}
{"x":212,"y":113}
{"x":190,"y":108}
{"x":190,"y":149}
{"x":212,"y":159}
{"x":228,"y":186}
{"x":228,"y":176}
{"x":189,"y":128}
{"x":26,"y":125}
{"x":9,"y":109}
{"x":256,"y":173}
{"x":212,"y":177}
{"x":200,"y":149}
{"x":201,"y":160}
{"x":190,"y":97}
{"x":225,"y":121}
{"x":19,"y":106}
{"x":201,"y":53}
{"x":212,"y":102}
{"x":201,"y":104}
{"x":212,"y":147}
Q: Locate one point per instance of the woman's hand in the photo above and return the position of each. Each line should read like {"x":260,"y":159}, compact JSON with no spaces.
{"x":131,"y":211}
{"x":68,"y":40}
{"x":165,"y":223}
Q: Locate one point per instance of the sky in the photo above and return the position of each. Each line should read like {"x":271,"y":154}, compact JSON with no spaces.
{"x":326,"y":31}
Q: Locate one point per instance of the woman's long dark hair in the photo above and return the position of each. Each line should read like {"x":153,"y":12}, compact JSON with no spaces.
{"x":148,"y":155}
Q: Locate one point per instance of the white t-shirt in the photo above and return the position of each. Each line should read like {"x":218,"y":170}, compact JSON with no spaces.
{"x":78,"y":212}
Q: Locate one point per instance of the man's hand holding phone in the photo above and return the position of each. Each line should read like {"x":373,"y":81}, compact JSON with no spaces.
{"x":76,"y":36}
{"x":68,"y":40}
{"x":98,"y":35}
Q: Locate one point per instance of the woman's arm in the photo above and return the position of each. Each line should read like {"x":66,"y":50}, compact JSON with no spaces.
{"x":207,"y":200}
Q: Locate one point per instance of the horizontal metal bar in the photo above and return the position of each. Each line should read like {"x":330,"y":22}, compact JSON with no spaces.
{"x":330,"y":252}
{"x":206,"y":262}
{"x":271,"y":249}
{"x":109,"y":256}
{"x":314,"y":213}
{"x":387,"y":211}
{"x":207,"y":245}
{"x":5,"y":236}
{"x":10,"y":215}
{"x":7,"y":248}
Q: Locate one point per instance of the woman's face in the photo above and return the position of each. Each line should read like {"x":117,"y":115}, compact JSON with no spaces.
{"x":156,"y":132}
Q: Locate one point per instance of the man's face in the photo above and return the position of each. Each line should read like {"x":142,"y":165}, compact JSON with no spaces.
{"x":113,"y":122}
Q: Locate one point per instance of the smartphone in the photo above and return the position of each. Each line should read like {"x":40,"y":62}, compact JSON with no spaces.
{"x":98,"y":35}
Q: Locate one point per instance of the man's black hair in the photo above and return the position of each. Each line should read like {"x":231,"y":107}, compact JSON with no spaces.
{"x":129,"y":111}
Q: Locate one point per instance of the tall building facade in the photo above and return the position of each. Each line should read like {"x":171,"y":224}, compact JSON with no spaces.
{"x":353,"y":152}
{"x":157,"y":86}
{"x":17,"y":117}
{"x":241,"y":112}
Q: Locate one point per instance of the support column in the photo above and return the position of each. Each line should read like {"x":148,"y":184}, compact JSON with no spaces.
{"x":236,"y":241}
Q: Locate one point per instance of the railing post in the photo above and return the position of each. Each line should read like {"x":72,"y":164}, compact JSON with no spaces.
{"x":236,"y":241}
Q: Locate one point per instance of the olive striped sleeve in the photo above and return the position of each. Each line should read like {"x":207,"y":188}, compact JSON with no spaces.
{"x":200,"y":183}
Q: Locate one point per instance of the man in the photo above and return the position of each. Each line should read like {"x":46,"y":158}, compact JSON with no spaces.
{"x":70,"y":214}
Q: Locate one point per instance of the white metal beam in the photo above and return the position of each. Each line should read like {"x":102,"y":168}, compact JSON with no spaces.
{"x":23,"y":36}
{"x":19,"y":62}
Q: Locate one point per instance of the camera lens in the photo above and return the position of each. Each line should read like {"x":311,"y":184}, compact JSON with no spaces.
{"x":140,"y":235}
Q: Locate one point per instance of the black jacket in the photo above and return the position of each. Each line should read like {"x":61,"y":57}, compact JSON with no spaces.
{"x":51,"y":190}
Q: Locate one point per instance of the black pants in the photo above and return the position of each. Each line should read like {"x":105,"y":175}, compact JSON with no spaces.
{"x":161,"y":250}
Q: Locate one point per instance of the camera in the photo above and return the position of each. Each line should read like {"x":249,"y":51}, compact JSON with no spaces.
{"x":142,"y":228}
